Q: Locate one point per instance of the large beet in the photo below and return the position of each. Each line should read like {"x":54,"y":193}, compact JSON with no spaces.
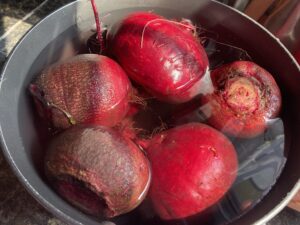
{"x":84,"y":89}
{"x":98,"y":170}
{"x":163,"y":56}
{"x":193,"y":166}
{"x":246,"y":97}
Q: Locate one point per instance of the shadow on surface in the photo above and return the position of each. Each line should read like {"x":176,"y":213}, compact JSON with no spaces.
{"x":16,"y":18}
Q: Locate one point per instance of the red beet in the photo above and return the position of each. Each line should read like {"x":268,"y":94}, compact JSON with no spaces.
{"x":193,"y":166}
{"x":163,"y":56}
{"x":98,"y":170}
{"x":84,"y":89}
{"x":297,"y":55}
{"x":246,"y":97}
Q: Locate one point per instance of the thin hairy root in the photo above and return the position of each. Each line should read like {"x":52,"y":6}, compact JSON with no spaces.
{"x":135,"y":99}
{"x":163,"y":126}
{"x":37,"y":93}
{"x":165,"y":20}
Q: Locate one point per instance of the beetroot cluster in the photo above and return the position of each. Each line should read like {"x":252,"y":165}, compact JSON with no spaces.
{"x":98,"y":161}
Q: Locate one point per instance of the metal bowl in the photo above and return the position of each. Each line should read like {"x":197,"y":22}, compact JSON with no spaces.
{"x":62,"y":34}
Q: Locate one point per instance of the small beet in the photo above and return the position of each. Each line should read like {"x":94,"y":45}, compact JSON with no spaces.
{"x":86,"y":88}
{"x":193,"y":166}
{"x":98,"y":170}
{"x":246,"y":97}
{"x":161,"y":55}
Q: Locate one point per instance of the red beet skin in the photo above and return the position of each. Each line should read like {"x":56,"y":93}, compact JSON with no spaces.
{"x":297,"y":55}
{"x":246,"y":97}
{"x":193,"y":166}
{"x":98,"y":170}
{"x":86,"y":88}
{"x":161,"y":55}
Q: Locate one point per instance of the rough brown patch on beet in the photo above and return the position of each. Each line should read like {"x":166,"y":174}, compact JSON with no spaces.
{"x":98,"y":161}
{"x":81,"y":196}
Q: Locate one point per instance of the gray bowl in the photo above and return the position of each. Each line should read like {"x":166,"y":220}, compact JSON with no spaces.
{"x":63,"y":33}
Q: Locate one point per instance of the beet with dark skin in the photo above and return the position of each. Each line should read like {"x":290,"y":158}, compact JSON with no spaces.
{"x":193,"y":166}
{"x":245,"y":99}
{"x":163,"y":56}
{"x":98,"y":170}
{"x":87,"y":88}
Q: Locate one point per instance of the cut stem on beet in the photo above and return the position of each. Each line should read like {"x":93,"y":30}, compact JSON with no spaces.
{"x":246,"y":97}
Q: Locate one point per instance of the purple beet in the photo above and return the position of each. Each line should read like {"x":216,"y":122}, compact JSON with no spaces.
{"x":87,"y":88}
{"x":98,"y":169}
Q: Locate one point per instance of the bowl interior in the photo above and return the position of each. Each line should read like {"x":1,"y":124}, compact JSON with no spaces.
{"x":63,"y":34}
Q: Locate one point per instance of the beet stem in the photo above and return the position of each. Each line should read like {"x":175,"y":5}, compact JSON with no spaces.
{"x":98,"y":26}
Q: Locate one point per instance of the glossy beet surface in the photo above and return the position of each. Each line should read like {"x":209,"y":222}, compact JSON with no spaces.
{"x":245,"y":99}
{"x":86,"y":88}
{"x":163,"y":56}
{"x":193,"y":166}
{"x":98,"y":170}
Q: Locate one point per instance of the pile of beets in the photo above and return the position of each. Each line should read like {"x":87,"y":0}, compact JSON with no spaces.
{"x":102,"y":159}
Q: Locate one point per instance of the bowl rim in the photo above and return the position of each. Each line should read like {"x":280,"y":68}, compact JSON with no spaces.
{"x":47,"y":205}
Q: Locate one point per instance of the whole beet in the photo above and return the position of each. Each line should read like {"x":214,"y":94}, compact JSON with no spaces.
{"x":246,"y":97}
{"x":98,"y":170}
{"x":193,"y":166}
{"x":86,"y":88}
{"x":161,"y":55}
